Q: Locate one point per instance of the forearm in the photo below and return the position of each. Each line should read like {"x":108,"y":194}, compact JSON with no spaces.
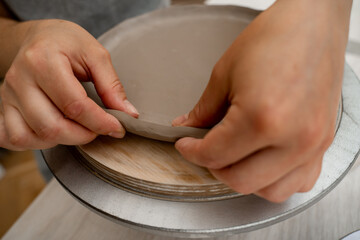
{"x":321,"y":27}
{"x":327,"y":15}
{"x":335,"y":13}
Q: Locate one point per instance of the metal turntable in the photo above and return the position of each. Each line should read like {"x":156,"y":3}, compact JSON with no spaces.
{"x":213,"y":217}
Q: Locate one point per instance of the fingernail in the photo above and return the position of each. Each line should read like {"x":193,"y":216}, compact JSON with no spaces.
{"x":131,"y":108}
{"x":118,"y":134}
{"x":180,"y":120}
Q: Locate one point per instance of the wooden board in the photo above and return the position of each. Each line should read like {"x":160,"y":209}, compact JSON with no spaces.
{"x":150,"y":167}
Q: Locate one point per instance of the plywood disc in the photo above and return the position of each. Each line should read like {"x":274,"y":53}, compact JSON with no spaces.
{"x":152,"y":168}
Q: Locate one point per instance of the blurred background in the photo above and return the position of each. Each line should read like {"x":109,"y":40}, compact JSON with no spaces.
{"x":20,"y":177}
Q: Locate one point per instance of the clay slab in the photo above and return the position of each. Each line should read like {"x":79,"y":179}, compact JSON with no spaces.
{"x":164,"y":60}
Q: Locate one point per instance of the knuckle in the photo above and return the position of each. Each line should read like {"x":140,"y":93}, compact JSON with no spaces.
{"x":267,"y":120}
{"x":115,"y":86}
{"x":11,"y":74}
{"x":18,"y":140}
{"x":35,"y":55}
{"x":31,"y":53}
{"x":48,"y":132}
{"x":103,"y":53}
{"x":10,"y":80}
{"x":74,"y":109}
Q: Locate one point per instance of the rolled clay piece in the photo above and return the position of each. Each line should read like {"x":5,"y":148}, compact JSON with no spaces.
{"x":146,"y":128}
{"x":156,"y":131}
{"x":164,"y":60}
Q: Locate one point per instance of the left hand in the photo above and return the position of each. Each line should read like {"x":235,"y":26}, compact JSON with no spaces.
{"x":276,"y":90}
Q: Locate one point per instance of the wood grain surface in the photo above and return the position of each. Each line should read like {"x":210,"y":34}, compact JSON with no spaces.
{"x":150,"y":166}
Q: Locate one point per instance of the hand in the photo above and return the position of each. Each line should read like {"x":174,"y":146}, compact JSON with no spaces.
{"x":43,"y":102}
{"x":277,"y":91}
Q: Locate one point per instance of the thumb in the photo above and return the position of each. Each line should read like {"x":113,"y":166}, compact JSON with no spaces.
{"x":109,"y":87}
{"x":211,"y":107}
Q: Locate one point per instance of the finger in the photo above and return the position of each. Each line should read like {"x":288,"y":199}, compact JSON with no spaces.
{"x":225,"y":144}
{"x":259,"y":170}
{"x":211,"y":107}
{"x":4,"y":140}
{"x":292,"y":182}
{"x":19,"y":135}
{"x":66,"y":92}
{"x":46,"y":120}
{"x":107,"y":83}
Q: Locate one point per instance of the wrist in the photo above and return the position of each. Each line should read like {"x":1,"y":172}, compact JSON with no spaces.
{"x":325,"y":17}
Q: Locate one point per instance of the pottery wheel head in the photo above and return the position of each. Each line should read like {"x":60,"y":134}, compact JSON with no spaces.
{"x":184,"y":218}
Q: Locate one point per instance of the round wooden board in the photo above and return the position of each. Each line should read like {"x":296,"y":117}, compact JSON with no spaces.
{"x":151,"y":167}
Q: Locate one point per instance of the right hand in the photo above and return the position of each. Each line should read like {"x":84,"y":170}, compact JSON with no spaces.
{"x":43,"y":102}
{"x":277,"y":122}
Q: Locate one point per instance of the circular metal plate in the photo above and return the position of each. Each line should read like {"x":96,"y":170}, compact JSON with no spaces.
{"x":202,"y":219}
